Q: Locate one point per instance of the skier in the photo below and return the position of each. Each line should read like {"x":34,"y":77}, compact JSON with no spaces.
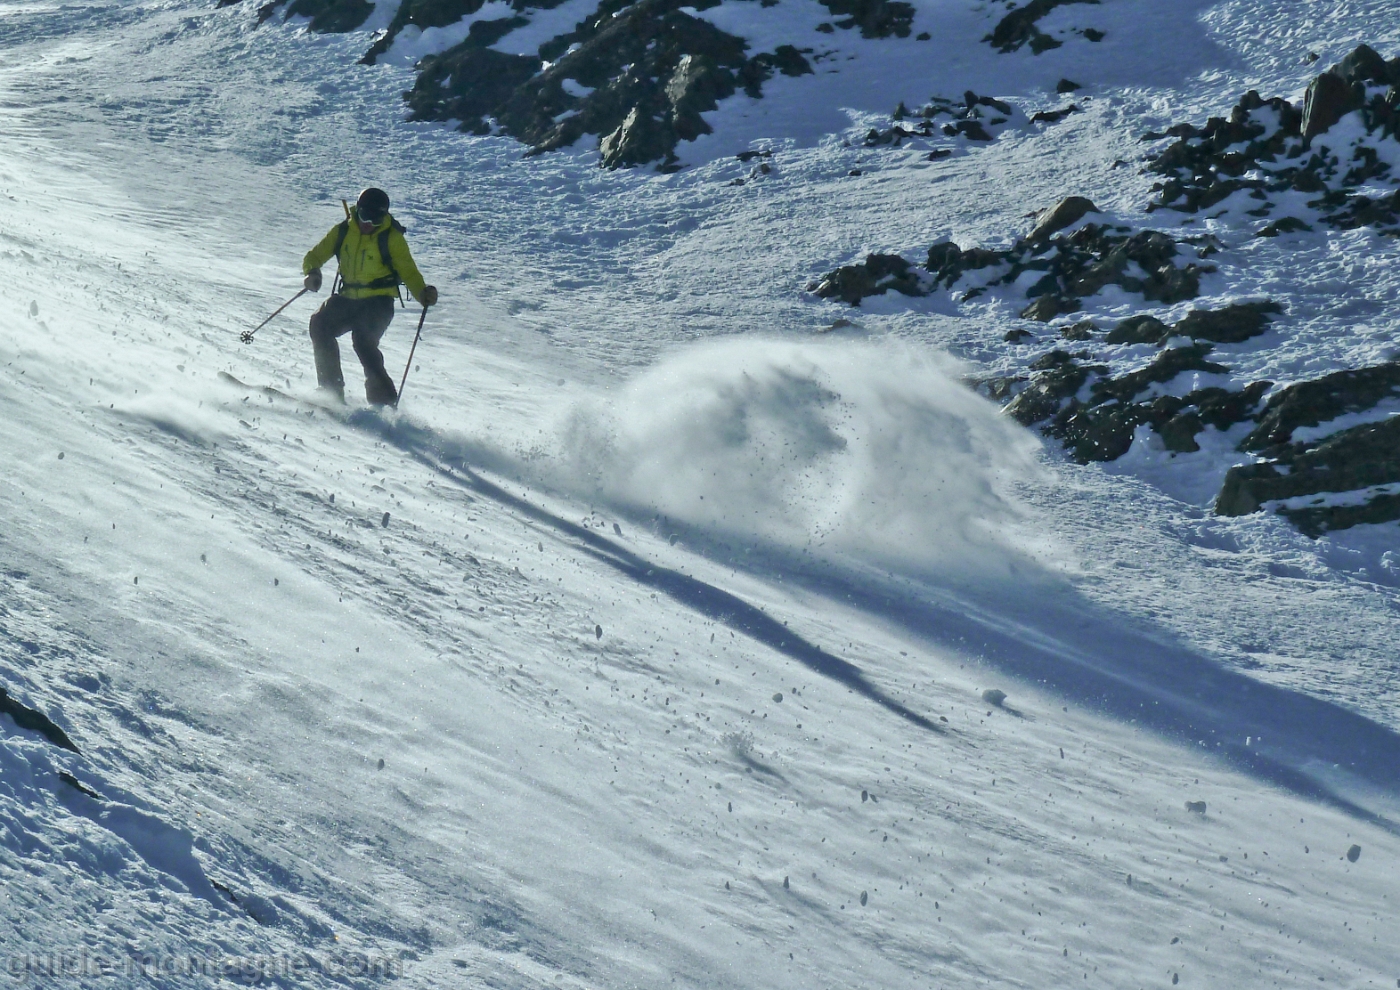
{"x":374,"y":259}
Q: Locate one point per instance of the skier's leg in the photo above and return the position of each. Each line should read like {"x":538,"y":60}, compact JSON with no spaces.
{"x":374,"y":318}
{"x":328,"y":323}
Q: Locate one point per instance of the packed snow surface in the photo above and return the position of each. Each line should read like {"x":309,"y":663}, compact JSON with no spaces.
{"x":654,"y":641}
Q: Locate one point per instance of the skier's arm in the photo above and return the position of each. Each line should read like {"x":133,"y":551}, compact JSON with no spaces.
{"x":321,"y":253}
{"x":403,"y":264}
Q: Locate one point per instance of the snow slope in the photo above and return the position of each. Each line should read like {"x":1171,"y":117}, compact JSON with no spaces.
{"x":627,"y":738}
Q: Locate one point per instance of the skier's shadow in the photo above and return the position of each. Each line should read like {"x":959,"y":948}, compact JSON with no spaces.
{"x":1304,"y":744}
{"x":1307,"y":745}
{"x":712,"y":602}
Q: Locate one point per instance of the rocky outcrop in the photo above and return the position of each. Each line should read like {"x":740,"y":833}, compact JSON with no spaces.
{"x":468,"y":83}
{"x":638,"y":76}
{"x":977,"y":118}
{"x":640,"y":81}
{"x":425,"y":14}
{"x":1316,"y":402}
{"x":1265,"y":150}
{"x":1096,"y":416}
{"x":1066,"y":213}
{"x":1340,"y":469}
{"x":876,"y":275}
{"x":1231,"y":325}
{"x":35,"y":721}
{"x":875,"y":18}
{"x":1351,"y":460}
{"x":331,"y":16}
{"x":1020,"y":27}
{"x":1075,"y":260}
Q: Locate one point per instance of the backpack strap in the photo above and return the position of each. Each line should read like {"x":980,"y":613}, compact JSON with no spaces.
{"x":342,"y":230}
{"x":390,"y":281}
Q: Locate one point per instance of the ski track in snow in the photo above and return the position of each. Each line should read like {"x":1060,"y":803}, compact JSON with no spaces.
{"x":571,"y":671}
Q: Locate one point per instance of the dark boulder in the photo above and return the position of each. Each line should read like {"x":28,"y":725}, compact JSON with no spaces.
{"x":1139,"y":330}
{"x":1328,"y":100}
{"x":332,"y":16}
{"x":1231,"y":325}
{"x":1098,"y":433}
{"x":638,"y":139}
{"x":1019,"y":27}
{"x":425,"y":14}
{"x":877,"y":274}
{"x":648,"y":70}
{"x":1065,"y":213}
{"x":1059,"y":378}
{"x":1049,"y":306}
{"x":1163,"y":368}
{"x":1363,"y":65}
{"x":467,"y":83}
{"x":1353,"y":459}
{"x":875,"y":18}
{"x":1286,"y":225}
{"x":1153,"y":250}
{"x":1315,"y":520}
{"x":1316,"y":402}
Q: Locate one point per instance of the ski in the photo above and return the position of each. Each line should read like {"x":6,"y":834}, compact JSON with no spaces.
{"x":224,"y":376}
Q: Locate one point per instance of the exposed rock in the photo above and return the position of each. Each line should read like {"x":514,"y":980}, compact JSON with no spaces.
{"x":35,"y":721}
{"x":1322,"y":400}
{"x":423,"y":14}
{"x":640,"y":138}
{"x":1019,"y":27}
{"x":1231,"y":325}
{"x":1067,"y":212}
{"x":1284,"y":225}
{"x":1153,"y":251}
{"x":1075,"y":265}
{"x":877,"y":274}
{"x":875,"y":18}
{"x":332,"y":15}
{"x":1262,"y":149}
{"x":1047,"y":307}
{"x":1096,"y":417}
{"x":468,"y":83}
{"x":994,"y":697}
{"x":1364,"y":65}
{"x":1067,"y":86}
{"x":1315,"y":520}
{"x":1163,"y":368}
{"x":1060,"y":379}
{"x":1083,"y":330}
{"x":1054,"y":116}
{"x":639,"y":76}
{"x":1328,"y":99}
{"x":1139,"y":330}
{"x":1357,"y":458}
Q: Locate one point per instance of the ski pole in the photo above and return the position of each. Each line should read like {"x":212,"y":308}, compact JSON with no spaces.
{"x":417,"y":335}
{"x":247,"y":335}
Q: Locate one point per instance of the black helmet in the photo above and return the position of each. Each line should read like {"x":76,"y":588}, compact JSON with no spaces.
{"x":372,"y":205}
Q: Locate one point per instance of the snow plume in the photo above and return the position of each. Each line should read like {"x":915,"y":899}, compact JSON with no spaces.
{"x":871,"y":451}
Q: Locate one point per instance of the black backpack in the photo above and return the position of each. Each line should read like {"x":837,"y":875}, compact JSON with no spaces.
{"x":390,"y":281}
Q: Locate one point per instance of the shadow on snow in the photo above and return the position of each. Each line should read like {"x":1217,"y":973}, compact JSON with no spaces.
{"x":1079,"y":651}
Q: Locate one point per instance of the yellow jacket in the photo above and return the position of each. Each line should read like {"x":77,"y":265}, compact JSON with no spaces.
{"x":364,"y":271}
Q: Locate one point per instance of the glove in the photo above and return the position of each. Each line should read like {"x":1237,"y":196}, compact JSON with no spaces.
{"x":429,"y":295}
{"x":313,"y":280}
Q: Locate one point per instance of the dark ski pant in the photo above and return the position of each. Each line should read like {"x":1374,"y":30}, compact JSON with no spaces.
{"x":365,"y":320}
